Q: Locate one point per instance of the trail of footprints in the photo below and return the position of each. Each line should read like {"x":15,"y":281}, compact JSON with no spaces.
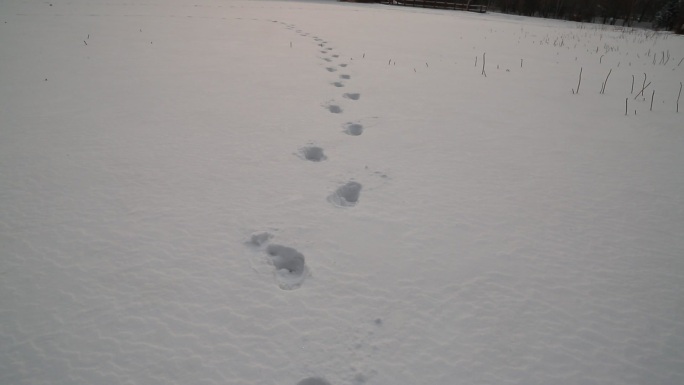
{"x":290,"y":270}
{"x":348,"y":194}
{"x":289,"y":265}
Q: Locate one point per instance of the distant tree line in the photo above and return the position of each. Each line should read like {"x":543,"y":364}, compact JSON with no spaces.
{"x":662,"y":14}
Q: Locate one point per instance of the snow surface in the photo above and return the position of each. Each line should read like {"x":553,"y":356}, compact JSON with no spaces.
{"x":259,"y":192}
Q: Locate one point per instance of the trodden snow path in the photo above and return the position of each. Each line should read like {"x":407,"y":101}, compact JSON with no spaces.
{"x":319,"y":193}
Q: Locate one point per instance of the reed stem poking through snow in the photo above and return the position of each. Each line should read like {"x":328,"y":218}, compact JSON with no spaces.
{"x":626,"y":103}
{"x":652,"y":95}
{"x":578,"y":82}
{"x":483,"y":64}
{"x":603,"y":88}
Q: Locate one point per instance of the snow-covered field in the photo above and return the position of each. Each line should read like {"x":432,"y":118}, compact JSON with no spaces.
{"x":281,"y":192}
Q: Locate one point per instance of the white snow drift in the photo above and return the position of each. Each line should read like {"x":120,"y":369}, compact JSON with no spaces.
{"x":282,"y":192}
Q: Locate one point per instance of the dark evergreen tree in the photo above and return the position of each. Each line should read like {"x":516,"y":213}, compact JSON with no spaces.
{"x":668,"y":16}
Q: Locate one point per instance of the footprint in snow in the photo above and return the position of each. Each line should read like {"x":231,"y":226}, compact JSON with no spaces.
{"x":259,"y":239}
{"x":335,"y":109}
{"x":313,"y":381}
{"x":338,"y":84}
{"x":345,"y":77}
{"x":353,"y":129}
{"x":346,"y":195}
{"x":291,"y":270}
{"x":331,"y":69}
{"x":352,"y":96}
{"x":312,"y":153}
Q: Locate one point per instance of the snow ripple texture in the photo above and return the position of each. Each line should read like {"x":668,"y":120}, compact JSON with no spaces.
{"x":156,"y":228}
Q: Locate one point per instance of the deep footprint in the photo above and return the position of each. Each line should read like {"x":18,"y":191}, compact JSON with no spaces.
{"x":313,"y":153}
{"x":338,"y":84}
{"x":335,"y":109}
{"x":258,"y":239}
{"x":331,"y":69}
{"x":345,"y":77}
{"x":313,"y":381}
{"x":290,"y":266}
{"x":352,"y":96}
{"x":353,"y":129}
{"x":346,"y":195}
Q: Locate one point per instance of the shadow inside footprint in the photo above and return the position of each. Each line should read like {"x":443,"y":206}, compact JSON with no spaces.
{"x":331,"y":69}
{"x":258,"y":239}
{"x":338,"y":84}
{"x":352,"y":96}
{"x":345,"y":77}
{"x":335,"y":109}
{"x":313,"y":153}
{"x":290,"y":266}
{"x":346,"y":195}
{"x":313,"y":381}
{"x":353,"y":129}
